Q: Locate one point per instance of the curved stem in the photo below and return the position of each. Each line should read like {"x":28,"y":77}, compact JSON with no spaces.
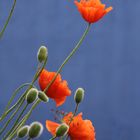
{"x":9,"y":120}
{"x":75,"y":111}
{"x":34,"y":79}
{"x":69,"y":56}
{"x":17,"y":120}
{"x":6,"y":112}
{"x":23,"y":121}
{"x":53,"y":138}
{"x":24,"y":94}
{"x":8,"y":19}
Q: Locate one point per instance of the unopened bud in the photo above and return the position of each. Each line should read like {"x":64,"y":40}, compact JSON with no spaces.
{"x":62,"y":130}
{"x":31,"y":95}
{"x":79,"y":95}
{"x":23,"y":131}
{"x":42,"y":96}
{"x":36,"y":129}
{"x":42,"y":54}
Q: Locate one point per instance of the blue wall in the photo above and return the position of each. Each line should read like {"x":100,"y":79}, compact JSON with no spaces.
{"x":107,"y":65}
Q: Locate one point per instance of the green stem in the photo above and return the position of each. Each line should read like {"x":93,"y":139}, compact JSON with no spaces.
{"x":23,"y":121}
{"x":17,"y":120}
{"x":53,"y":138}
{"x":68,"y":57}
{"x":34,"y":79}
{"x":6,"y":112}
{"x":76,"y":108}
{"x":16,"y":104}
{"x":8,"y":19}
{"x":9,"y":120}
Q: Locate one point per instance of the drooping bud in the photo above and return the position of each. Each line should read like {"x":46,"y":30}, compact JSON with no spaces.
{"x":36,"y":129}
{"x":42,"y":96}
{"x":42,"y":54}
{"x":31,"y":95}
{"x":23,"y":131}
{"x":79,"y":95}
{"x":62,"y":130}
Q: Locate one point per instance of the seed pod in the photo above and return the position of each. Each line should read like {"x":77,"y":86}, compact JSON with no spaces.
{"x":36,"y":129}
{"x":42,"y":54}
{"x":62,"y":130}
{"x":23,"y":131}
{"x":79,"y":95}
{"x":31,"y":95}
{"x":42,"y":96}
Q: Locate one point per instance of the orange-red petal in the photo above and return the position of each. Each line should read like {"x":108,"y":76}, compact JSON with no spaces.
{"x":58,"y":91}
{"x":92,"y":10}
{"x":51,"y":126}
{"x":79,"y":129}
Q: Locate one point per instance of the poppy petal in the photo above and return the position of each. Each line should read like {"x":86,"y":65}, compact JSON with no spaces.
{"x":51,"y":126}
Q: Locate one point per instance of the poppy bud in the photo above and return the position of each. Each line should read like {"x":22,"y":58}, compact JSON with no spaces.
{"x":36,"y":129}
{"x":42,"y":54}
{"x":31,"y":95}
{"x":79,"y":95}
{"x":42,"y":96}
{"x":23,"y":131}
{"x":62,"y":130}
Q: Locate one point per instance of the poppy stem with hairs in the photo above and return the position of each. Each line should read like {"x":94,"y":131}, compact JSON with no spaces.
{"x":75,"y":111}
{"x":69,"y":56}
{"x":23,"y":121}
{"x":53,"y":138}
{"x":8,"y":19}
{"x":15,"y":123}
{"x":7,"y":109}
{"x":21,"y":100}
{"x":30,"y":85}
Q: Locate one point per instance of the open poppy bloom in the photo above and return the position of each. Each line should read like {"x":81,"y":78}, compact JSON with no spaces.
{"x":92,"y":10}
{"x":79,"y":129}
{"x":58,"y":91}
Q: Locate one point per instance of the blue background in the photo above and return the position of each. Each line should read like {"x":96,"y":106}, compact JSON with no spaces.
{"x":107,"y":65}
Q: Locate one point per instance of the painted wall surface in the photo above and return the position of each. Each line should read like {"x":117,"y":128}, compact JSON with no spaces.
{"x":107,"y":65}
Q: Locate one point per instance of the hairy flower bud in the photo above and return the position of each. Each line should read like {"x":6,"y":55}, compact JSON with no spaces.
{"x":42,"y":96}
{"x":23,"y":131}
{"x":31,"y":95}
{"x":36,"y":129}
{"x":79,"y":95}
{"x":62,"y":130}
{"x":42,"y":54}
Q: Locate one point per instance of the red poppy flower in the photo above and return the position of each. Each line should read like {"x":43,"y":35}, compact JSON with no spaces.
{"x":92,"y":10}
{"x":58,"y":91}
{"x":79,"y":129}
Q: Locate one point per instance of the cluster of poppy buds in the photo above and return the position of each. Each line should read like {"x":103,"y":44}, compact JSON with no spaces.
{"x":33,"y":131}
{"x":33,"y":94}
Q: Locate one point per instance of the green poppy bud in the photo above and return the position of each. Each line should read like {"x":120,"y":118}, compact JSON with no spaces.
{"x":42,"y":54}
{"x":42,"y":96}
{"x":62,"y":130}
{"x":31,"y":95}
{"x":23,"y":131}
{"x":36,"y":129}
{"x":79,"y":95}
